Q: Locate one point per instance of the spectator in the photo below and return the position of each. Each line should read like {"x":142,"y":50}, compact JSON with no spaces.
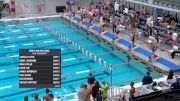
{"x":81,"y":93}
{"x":132,"y":91}
{"x":170,"y":75}
{"x":104,"y":90}
{"x":176,"y":85}
{"x":147,"y":79}
{"x":47,"y":97}
{"x":88,"y":91}
{"x":91,"y":79}
{"x":51,"y":97}
{"x":95,"y":90}
{"x":154,"y":47}
{"x":173,"y":24}
{"x":167,"y":37}
{"x":36,"y":97}
{"x":149,"y":32}
{"x":174,"y":37}
{"x":26,"y":98}
{"x":149,"y":21}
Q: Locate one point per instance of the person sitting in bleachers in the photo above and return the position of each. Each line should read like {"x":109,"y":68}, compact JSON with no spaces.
{"x":165,"y":22}
{"x":148,"y":32}
{"x":166,"y":37}
{"x":173,"y":24}
{"x":174,"y":37}
{"x":147,"y":79}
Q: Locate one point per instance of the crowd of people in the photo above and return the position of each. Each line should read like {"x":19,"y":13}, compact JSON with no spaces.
{"x":47,"y":97}
{"x":163,"y":29}
{"x":93,"y":90}
{"x":7,"y":8}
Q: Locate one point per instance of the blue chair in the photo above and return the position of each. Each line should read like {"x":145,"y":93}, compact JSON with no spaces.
{"x":168,"y":64}
{"x":110,"y":35}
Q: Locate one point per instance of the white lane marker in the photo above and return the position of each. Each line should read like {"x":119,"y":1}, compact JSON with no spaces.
{"x":2,"y":71}
{"x":69,"y":59}
{"x":14,"y":56}
{"x":16,"y":30}
{"x":34,"y":29}
{"x":41,"y":34}
{"x":4,"y":38}
{"x":49,"y":41}
{"x":83,"y":72}
{"x":22,"y":37}
{"x":2,"y":32}
{"x":27,"y":44}
{"x":6,"y":87}
{"x":9,"y":46}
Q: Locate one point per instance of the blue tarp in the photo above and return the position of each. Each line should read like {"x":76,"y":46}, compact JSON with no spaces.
{"x":125,"y":42}
{"x":87,"y":23}
{"x":111,"y":35}
{"x":97,"y":29}
{"x":77,"y":19}
{"x":168,"y":64}
{"x":144,"y":52}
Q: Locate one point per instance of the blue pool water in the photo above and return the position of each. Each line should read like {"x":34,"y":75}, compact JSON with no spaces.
{"x":15,"y":35}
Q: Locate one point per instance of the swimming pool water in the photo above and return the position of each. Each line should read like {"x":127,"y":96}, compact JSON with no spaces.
{"x":15,"y":35}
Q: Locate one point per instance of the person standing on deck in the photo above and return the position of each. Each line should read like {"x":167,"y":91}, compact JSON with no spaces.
{"x":81,"y":93}
{"x":131,"y":91}
{"x":91,"y":79}
{"x":114,"y":23}
{"x":104,"y":89}
{"x":133,"y":37}
{"x":154,"y":48}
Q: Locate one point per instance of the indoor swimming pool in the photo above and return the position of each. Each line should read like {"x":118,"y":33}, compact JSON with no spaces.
{"x":23,"y":34}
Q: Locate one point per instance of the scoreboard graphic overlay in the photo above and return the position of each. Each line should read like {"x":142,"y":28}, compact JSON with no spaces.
{"x":39,"y":68}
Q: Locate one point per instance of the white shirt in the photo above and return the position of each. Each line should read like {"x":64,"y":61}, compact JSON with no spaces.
{"x":174,"y":36}
{"x":126,"y":10}
{"x":81,"y":94}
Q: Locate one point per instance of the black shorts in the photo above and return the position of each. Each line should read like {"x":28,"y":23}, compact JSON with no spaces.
{"x":133,"y":39}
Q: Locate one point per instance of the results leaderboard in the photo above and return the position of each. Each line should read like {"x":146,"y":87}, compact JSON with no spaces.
{"x":39,"y":68}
